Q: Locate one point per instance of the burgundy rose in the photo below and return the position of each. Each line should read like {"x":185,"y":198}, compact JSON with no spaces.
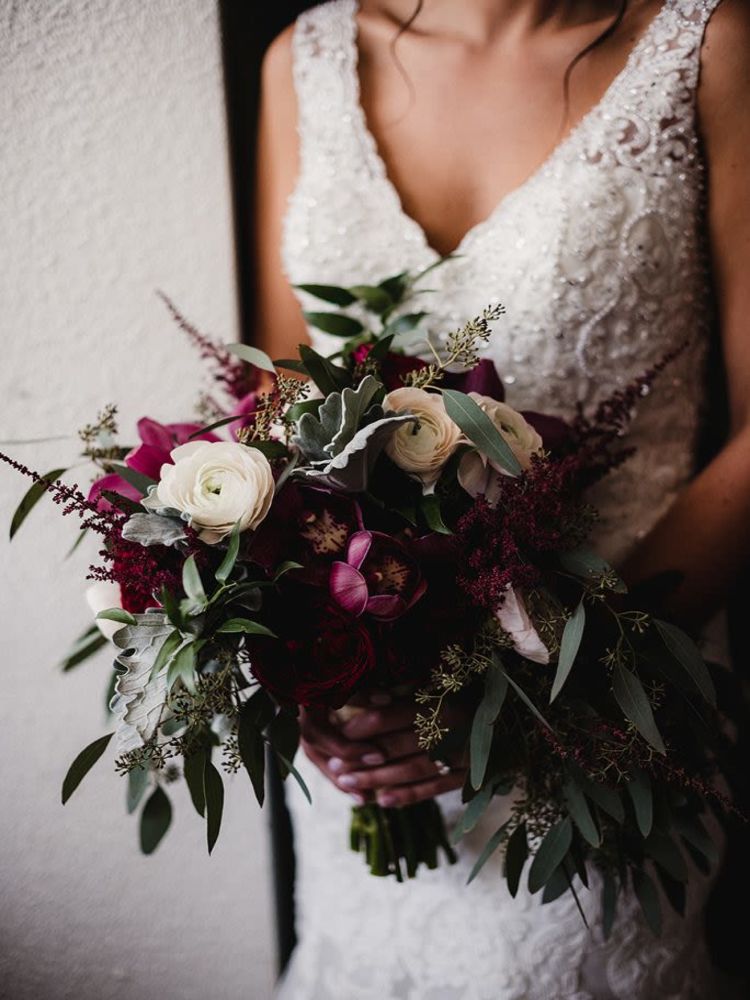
{"x":322,"y":653}
{"x":379,"y":577}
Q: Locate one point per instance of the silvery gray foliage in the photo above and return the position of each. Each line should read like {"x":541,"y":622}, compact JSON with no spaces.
{"x":344,"y":439}
{"x":153,"y":529}
{"x":139,"y":699}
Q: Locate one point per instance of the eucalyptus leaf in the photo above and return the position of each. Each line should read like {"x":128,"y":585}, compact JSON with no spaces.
{"x":489,"y":849}
{"x":133,"y":476}
{"x":473,"y":813}
{"x":329,"y":293}
{"x":155,"y":820}
{"x":527,"y":701}
{"x":253,"y":356}
{"x":550,"y":854}
{"x":633,"y":701}
{"x":480,"y":430}
{"x":226,"y":566}
{"x":192,"y":769}
{"x":213,"y":426}
{"x":291,"y":769}
{"x":293,"y":365}
{"x":246,"y":626}
{"x":286,"y":567}
{"x":153,"y":529}
{"x":687,"y":654}
{"x":138,"y":782}
{"x":375,"y":297}
{"x":430,"y":506}
{"x":336,"y":324}
{"x":252,"y":748}
{"x":326,"y":376}
{"x":694,"y":833}
{"x":116,"y":615}
{"x":557,"y":884}
{"x":569,"y":646}
{"x":516,"y":854}
{"x":192,"y":583}
{"x":213,"y":795}
{"x":89,"y":643}
{"x":585,"y":563}
{"x":581,"y":814}
{"x":606,"y":798}
{"x":83,"y":764}
{"x":647,"y":896}
{"x":32,"y":496}
{"x":482,"y":730}
{"x":662,"y":849}
{"x":405,"y":323}
{"x":639,"y":789}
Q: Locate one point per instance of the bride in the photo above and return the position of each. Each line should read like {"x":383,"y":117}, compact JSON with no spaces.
{"x":586,"y":162}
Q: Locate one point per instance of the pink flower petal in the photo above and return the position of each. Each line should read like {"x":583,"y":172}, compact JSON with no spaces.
{"x":359,"y":546}
{"x":348,"y":587}
{"x":148,"y":459}
{"x":117,"y":485}
{"x":153,"y":433}
{"x":386,"y":607}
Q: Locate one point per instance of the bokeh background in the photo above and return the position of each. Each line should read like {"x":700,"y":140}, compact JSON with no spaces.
{"x":114,"y":181}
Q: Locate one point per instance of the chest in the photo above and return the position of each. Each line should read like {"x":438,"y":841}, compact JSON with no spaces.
{"x":459,"y":127}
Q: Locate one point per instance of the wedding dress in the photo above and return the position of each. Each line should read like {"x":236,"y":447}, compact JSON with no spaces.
{"x":600,"y":262}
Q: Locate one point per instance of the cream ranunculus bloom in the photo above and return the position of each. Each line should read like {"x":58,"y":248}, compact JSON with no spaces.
{"x":476,"y":473}
{"x":422,"y":450}
{"x":216,"y":483}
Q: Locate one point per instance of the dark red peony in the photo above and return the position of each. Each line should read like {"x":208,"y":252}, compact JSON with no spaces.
{"x":324,"y":655}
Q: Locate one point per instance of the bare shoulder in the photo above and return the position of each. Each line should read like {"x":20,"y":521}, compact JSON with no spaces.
{"x":277,"y":62}
{"x":725,"y":65}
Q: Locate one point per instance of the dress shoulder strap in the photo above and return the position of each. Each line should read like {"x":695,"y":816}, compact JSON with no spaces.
{"x":687,"y":27}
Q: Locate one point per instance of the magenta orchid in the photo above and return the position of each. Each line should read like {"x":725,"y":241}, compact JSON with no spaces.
{"x":157,"y":442}
{"x":379,"y":577}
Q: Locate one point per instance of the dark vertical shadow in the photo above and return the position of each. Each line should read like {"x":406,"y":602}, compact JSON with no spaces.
{"x":247,"y":29}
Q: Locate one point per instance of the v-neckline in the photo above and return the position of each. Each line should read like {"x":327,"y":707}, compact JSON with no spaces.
{"x":377,"y":161}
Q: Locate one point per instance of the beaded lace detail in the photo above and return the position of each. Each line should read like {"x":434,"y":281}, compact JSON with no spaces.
{"x":599,"y":260}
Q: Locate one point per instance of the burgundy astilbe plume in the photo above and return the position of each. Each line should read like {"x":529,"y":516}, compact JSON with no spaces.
{"x":72,"y":501}
{"x":536,"y":513}
{"x":238,"y":378}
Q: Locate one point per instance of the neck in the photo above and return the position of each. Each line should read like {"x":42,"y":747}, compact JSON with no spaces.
{"x":479,"y":21}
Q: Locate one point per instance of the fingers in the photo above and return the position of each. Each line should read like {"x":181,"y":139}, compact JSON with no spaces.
{"x":402,"y":772}
{"x":321,"y":761}
{"x":420,"y":791}
{"x":376,"y":722}
{"x":317,"y":731}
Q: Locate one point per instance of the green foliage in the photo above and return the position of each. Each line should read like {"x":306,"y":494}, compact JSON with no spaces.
{"x":155,"y":820}
{"x":569,"y":646}
{"x":480,"y":430}
{"x":85,"y":646}
{"x":83,"y":764}
{"x":489,"y":849}
{"x":32,"y":496}
{"x":550,"y":854}
{"x":687,"y":654}
{"x":636,"y":707}
{"x":482,"y":729}
{"x":213,"y":795}
{"x":138,"y":782}
{"x":253,"y":356}
{"x":516,"y":854}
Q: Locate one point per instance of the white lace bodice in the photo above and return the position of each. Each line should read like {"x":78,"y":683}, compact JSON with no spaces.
{"x":598,"y":259}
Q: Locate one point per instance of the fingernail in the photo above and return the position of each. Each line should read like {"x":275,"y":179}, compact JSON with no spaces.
{"x":349,"y":780}
{"x":373,"y":758}
{"x":336,"y":764}
{"x":387,"y":800}
{"x":380,"y":698}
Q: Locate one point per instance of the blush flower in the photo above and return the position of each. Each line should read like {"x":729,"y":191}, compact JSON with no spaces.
{"x":379,"y":577}
{"x":216,"y":484}
{"x":479,"y":474}
{"x":515,"y":620}
{"x":423,"y":449}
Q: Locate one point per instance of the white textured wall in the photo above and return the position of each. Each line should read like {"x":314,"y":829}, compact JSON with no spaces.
{"x":113,"y":181}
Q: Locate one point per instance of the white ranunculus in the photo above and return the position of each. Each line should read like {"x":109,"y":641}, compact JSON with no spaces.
{"x":216,"y":484}
{"x":515,"y":620}
{"x":101,"y":596}
{"x":422,"y":450}
{"x":478,"y":474}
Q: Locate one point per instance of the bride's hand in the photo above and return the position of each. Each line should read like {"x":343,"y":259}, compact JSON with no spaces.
{"x":375,"y":755}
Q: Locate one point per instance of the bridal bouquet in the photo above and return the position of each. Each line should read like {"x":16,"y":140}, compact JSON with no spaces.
{"x":390,"y":523}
